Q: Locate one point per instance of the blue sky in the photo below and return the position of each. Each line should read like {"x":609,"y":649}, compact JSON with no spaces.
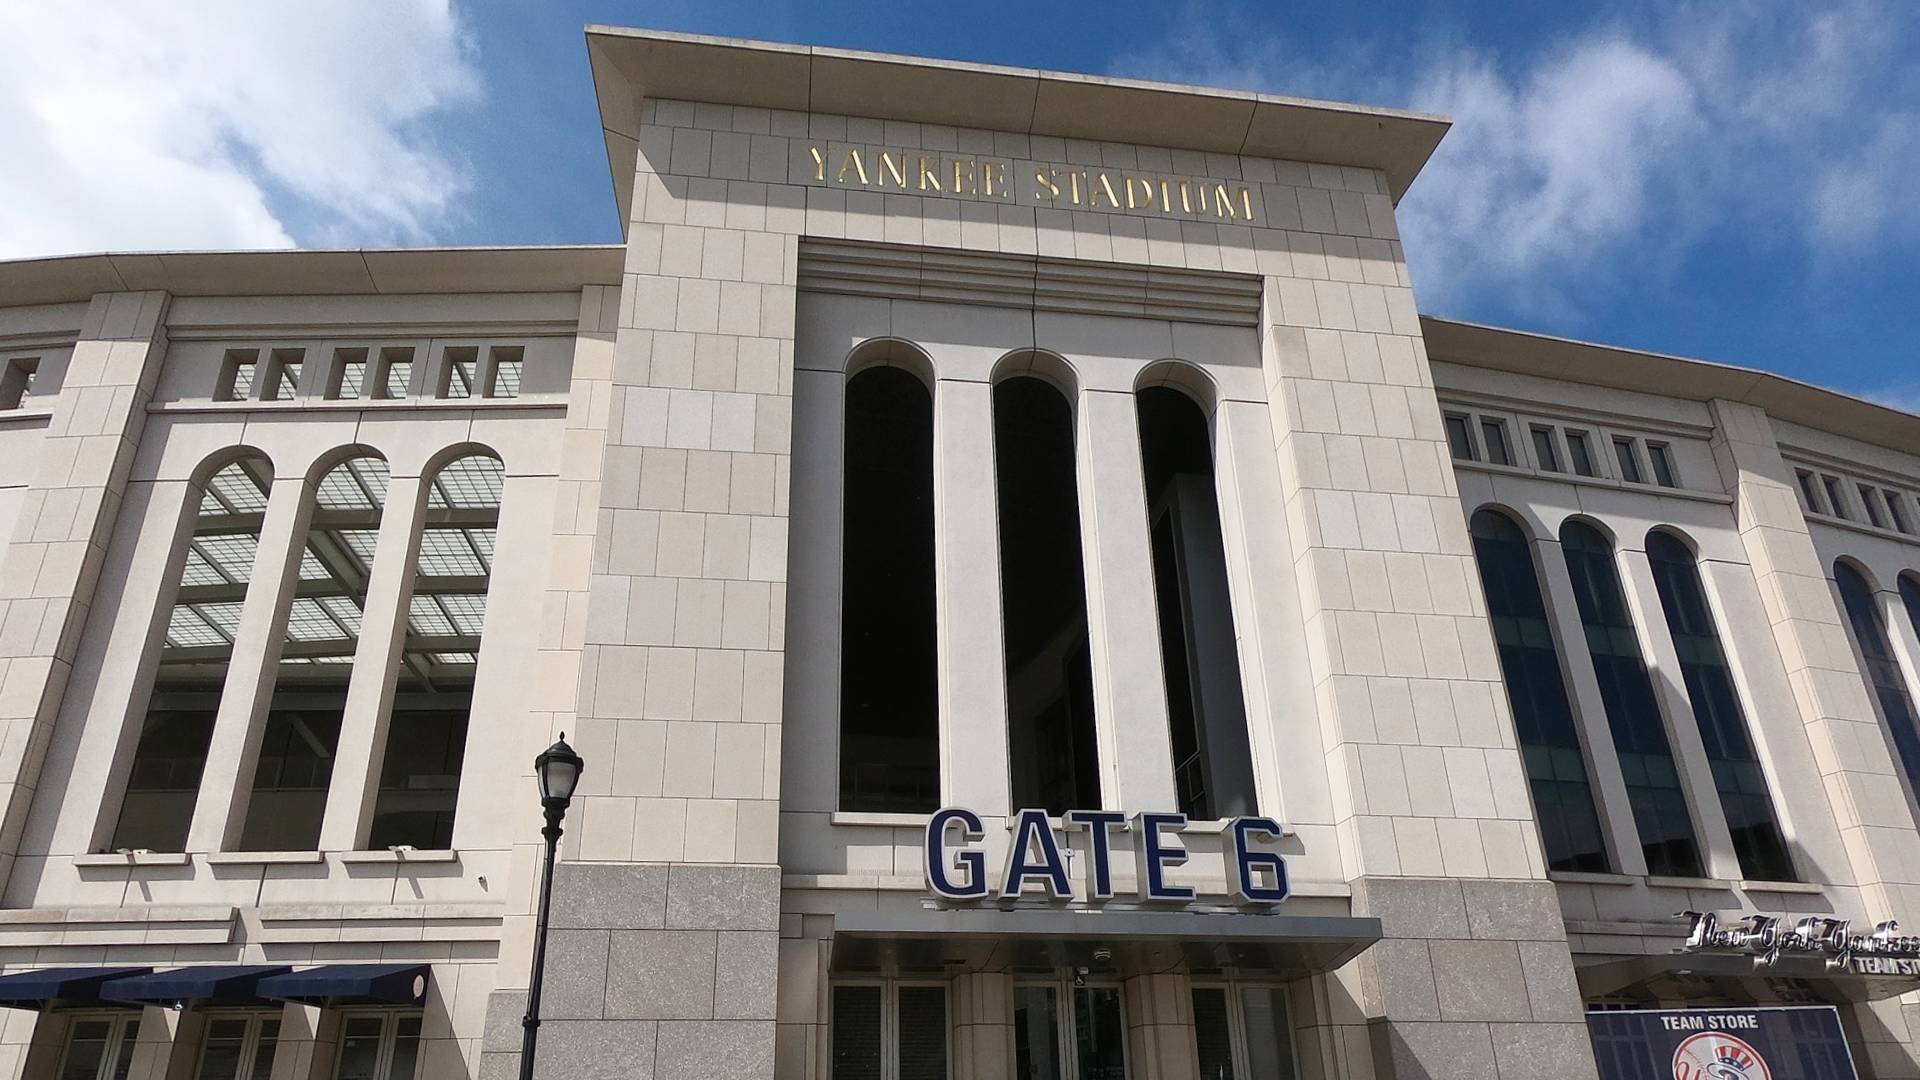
{"x":1733,"y":180}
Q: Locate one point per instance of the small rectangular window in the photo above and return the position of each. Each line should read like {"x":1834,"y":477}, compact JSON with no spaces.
{"x":1544,"y":454}
{"x":504,"y":382}
{"x":1580,"y":454}
{"x":1662,"y":458}
{"x":236,"y":378}
{"x":1836,"y":497}
{"x":16,"y":382}
{"x":395,"y":377}
{"x":100,"y":1048}
{"x":1809,"y":492}
{"x":285,"y":368}
{"x":1493,"y":435}
{"x":1629,"y":461}
{"x":350,"y":375}
{"x":857,"y":1036}
{"x":1870,"y":500}
{"x":378,"y":1046}
{"x":1460,"y":438}
{"x":1897,"y":511}
{"x":460,"y":373}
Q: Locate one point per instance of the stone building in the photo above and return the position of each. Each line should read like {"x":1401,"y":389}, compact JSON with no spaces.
{"x":1034,"y":597}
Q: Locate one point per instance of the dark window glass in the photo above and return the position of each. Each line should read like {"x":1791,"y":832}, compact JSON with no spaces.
{"x":1633,"y":714}
{"x":922,"y":1033}
{"x":1213,"y":1032}
{"x":889,"y":696}
{"x":1544,"y":453}
{"x":1460,"y":437}
{"x":360,"y":1039}
{"x":1055,"y":759}
{"x":178,"y":726}
{"x":1493,"y":434}
{"x":1744,"y":794}
{"x":1213,"y":767}
{"x":1036,"y":1033}
{"x":433,"y":692}
{"x":1099,"y":1035}
{"x":1537,"y":692}
{"x":1836,"y":501}
{"x":1896,"y":512}
{"x":87,"y":1042}
{"x":1883,"y":673}
{"x":1809,"y":492}
{"x":1269,"y":1032}
{"x":1870,"y":499}
{"x":1629,"y":462}
{"x":309,"y":694}
{"x":1662,"y":458}
{"x":1580,"y":453}
{"x":1910,"y":596}
{"x":856,"y":1032}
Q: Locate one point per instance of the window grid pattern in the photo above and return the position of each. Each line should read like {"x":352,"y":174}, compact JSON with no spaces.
{"x":1558,"y":448}
{"x":1737,"y":775}
{"x":1865,"y":502}
{"x":1633,"y":713}
{"x":1537,"y":693}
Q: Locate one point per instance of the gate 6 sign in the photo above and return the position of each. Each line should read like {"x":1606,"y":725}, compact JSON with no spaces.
{"x":956,"y":864}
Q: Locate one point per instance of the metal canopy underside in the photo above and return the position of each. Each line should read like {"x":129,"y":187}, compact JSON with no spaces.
{"x":987,"y":939}
{"x":1682,"y":976}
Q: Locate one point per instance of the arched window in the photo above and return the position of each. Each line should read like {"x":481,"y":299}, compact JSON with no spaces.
{"x":1889,"y":686}
{"x":172,"y":751}
{"x":1910,"y":595}
{"x":427,"y":734}
{"x":889,"y":689}
{"x":309,"y":694}
{"x":1633,"y":713}
{"x":1542,"y":716}
{"x":1052,"y":748}
{"x":1212,"y":765}
{"x":1737,"y":775}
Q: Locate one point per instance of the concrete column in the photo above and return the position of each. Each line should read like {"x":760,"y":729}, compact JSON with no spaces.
{"x":363,"y":729}
{"x":811,"y":774}
{"x":1718,"y":859}
{"x":226,"y":782}
{"x":981,"y":1004}
{"x":1129,"y":685}
{"x":308,"y":1047}
{"x":33,"y":1044}
{"x":49,"y":570}
{"x":168,"y":1047}
{"x":973,"y":676}
{"x":1160,"y":1033}
{"x":1842,"y":727}
{"x":1289,"y":770}
{"x":1590,"y":712}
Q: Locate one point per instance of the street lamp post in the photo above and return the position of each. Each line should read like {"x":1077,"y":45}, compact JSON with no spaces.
{"x":557,"y":769}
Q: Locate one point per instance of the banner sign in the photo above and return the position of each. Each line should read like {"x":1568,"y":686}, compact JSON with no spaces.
{"x":957,"y":867}
{"x":1882,"y":951}
{"x":1796,"y":1043}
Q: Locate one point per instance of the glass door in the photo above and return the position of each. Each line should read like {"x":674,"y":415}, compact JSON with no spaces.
{"x":1087,"y":1041}
{"x":100,"y":1048}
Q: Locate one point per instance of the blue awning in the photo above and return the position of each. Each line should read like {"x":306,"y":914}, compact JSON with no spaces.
{"x":213,"y":984}
{"x":350,"y":984}
{"x":39,"y":989}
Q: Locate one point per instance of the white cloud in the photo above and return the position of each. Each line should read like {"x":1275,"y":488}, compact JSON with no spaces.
{"x":155,"y":124}
{"x":1607,"y":153}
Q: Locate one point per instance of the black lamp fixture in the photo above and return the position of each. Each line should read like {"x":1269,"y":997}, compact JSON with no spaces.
{"x":557,"y":770}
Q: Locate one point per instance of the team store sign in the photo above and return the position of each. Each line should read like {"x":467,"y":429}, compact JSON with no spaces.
{"x":956,"y":865}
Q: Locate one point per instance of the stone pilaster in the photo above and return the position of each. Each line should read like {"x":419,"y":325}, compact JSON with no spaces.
{"x":60,"y":540}
{"x":1160,"y":1033}
{"x":981,"y":1004}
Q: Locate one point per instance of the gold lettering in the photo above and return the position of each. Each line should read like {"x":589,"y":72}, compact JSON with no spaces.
{"x":1223,"y":202}
{"x":1200,"y":196}
{"x":929,"y":176}
{"x":1145,"y":195}
{"x":1074,"y":177}
{"x":1048,"y":189}
{"x":896,"y":169}
{"x":1105,"y":186}
{"x":819,"y":163}
{"x":1166,"y":197}
{"x":987,"y":178}
{"x":1246,"y":202}
{"x":963,"y":176}
{"x":854,"y":162}
{"x":1186,"y":200}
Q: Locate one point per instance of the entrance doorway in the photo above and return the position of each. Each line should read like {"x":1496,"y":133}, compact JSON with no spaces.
{"x":1067,"y":1032}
